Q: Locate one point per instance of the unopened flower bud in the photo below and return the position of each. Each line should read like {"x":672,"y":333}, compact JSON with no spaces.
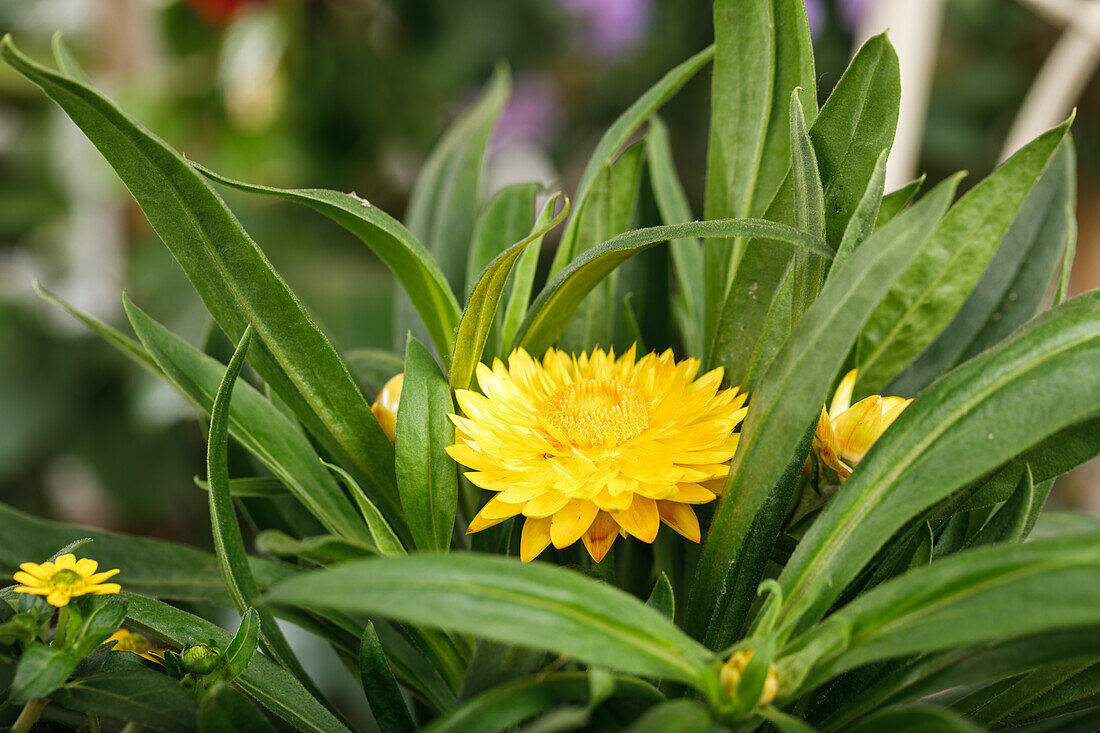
{"x":386,"y":404}
{"x":734,"y":668}
{"x":200,"y":658}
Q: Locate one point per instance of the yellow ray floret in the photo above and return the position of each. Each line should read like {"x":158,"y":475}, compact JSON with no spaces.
{"x":845,"y":432}
{"x":63,"y":579}
{"x":591,"y":447}
{"x":129,"y":641}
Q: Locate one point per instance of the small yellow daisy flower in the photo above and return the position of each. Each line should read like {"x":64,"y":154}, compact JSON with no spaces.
{"x":845,"y":432}
{"x":128,"y":641}
{"x":595,"y":446}
{"x":386,"y":404}
{"x":63,"y":579}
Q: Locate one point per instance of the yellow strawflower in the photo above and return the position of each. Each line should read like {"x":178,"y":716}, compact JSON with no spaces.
{"x":386,"y":404}
{"x":63,"y":579}
{"x":734,"y":668}
{"x":845,"y":432}
{"x":128,"y":641}
{"x":595,"y":446}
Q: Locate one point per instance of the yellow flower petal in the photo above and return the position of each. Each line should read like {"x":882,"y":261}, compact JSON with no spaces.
{"x":600,"y":536}
{"x":535,"y":538}
{"x":571,"y":522}
{"x":681,"y":517}
{"x":641,"y":519}
{"x":842,"y":399}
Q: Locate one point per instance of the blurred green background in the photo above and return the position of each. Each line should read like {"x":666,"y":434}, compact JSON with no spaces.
{"x":348,"y":94}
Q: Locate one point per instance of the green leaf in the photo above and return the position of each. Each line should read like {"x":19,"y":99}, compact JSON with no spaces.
{"x":854,"y":127}
{"x":399,"y":250}
{"x":1010,"y":522}
{"x":493,"y":664}
{"x":809,"y":208}
{"x":257,"y":424}
{"x":523,"y":280}
{"x":444,"y":202}
{"x":509,"y":704}
{"x":616,"y":136}
{"x":92,"y":620}
{"x":535,"y":605}
{"x":66,"y":62}
{"x":506,"y":219}
{"x":865,"y":215}
{"x":964,"y":425}
{"x":786,"y":723}
{"x":948,"y":266}
{"x":788,"y":398}
{"x":166,"y":570}
{"x":385,"y":540}
{"x":561,"y":296}
{"x":1036,"y":587}
{"x":426,"y":475}
{"x":373,"y":367}
{"x":477,"y":319}
{"x":687,"y":254}
{"x":224,"y":710}
{"x":263,"y":680}
{"x":662,"y":599}
{"x":895,"y":201}
{"x":1015,"y":285}
{"x":915,"y":719}
{"x":140,"y":696}
{"x":252,"y":487}
{"x":238,"y":655}
{"x":763,"y":52}
{"x":228,"y":543}
{"x":232,"y":276}
{"x":676,"y":716}
{"x":40,"y":671}
{"x":381,"y":689}
{"x":320,"y":549}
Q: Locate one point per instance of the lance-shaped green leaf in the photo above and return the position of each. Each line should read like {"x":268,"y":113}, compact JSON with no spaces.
{"x":895,"y":201}
{"x":763,"y":52}
{"x":854,"y":126}
{"x":233,"y":278}
{"x":477,"y":319}
{"x":865,"y":215}
{"x":140,"y":696}
{"x":916,"y":719}
{"x":238,"y":654}
{"x":523,"y":281}
{"x":40,"y":671}
{"x":224,"y":710}
{"x":92,"y":620}
{"x":505,"y":220}
{"x":426,"y":475}
{"x":1035,"y":587}
{"x":507,"y":705}
{"x":945,"y":271}
{"x":383,"y":694}
{"x":533,"y":604}
{"x":399,"y":250}
{"x":789,"y":399}
{"x":687,"y":254}
{"x":167,"y":569}
{"x":228,"y":542}
{"x":615,"y":137}
{"x":561,"y":296}
{"x":963,"y":426}
{"x":809,"y":208}
{"x":254,"y":422}
{"x":1015,"y":285}
{"x":263,"y":680}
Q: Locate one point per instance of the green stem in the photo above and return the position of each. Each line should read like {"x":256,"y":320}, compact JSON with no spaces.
{"x":62,"y":622}
{"x":132,"y":727}
{"x":93,"y":723}
{"x":29,"y":716}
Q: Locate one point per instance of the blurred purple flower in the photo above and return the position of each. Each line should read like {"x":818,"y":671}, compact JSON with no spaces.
{"x":852,"y":12}
{"x":532,"y":115}
{"x":815,"y":12}
{"x":611,"y":28}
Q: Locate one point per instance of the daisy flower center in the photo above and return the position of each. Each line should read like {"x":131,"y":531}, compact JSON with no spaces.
{"x":597,"y":412}
{"x":66,"y":579}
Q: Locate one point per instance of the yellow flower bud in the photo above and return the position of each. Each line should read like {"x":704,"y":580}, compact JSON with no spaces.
{"x":845,"y":432}
{"x":734,"y":668}
{"x":386,"y":404}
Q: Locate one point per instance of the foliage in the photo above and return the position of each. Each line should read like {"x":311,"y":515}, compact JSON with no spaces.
{"x":911,"y":580}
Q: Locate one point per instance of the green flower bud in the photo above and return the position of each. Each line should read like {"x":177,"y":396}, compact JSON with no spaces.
{"x":200,"y":658}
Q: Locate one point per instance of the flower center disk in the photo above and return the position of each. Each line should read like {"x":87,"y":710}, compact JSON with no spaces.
{"x":66,"y":579}
{"x":597,"y":412}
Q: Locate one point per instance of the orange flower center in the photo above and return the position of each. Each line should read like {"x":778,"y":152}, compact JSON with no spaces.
{"x":597,"y":412}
